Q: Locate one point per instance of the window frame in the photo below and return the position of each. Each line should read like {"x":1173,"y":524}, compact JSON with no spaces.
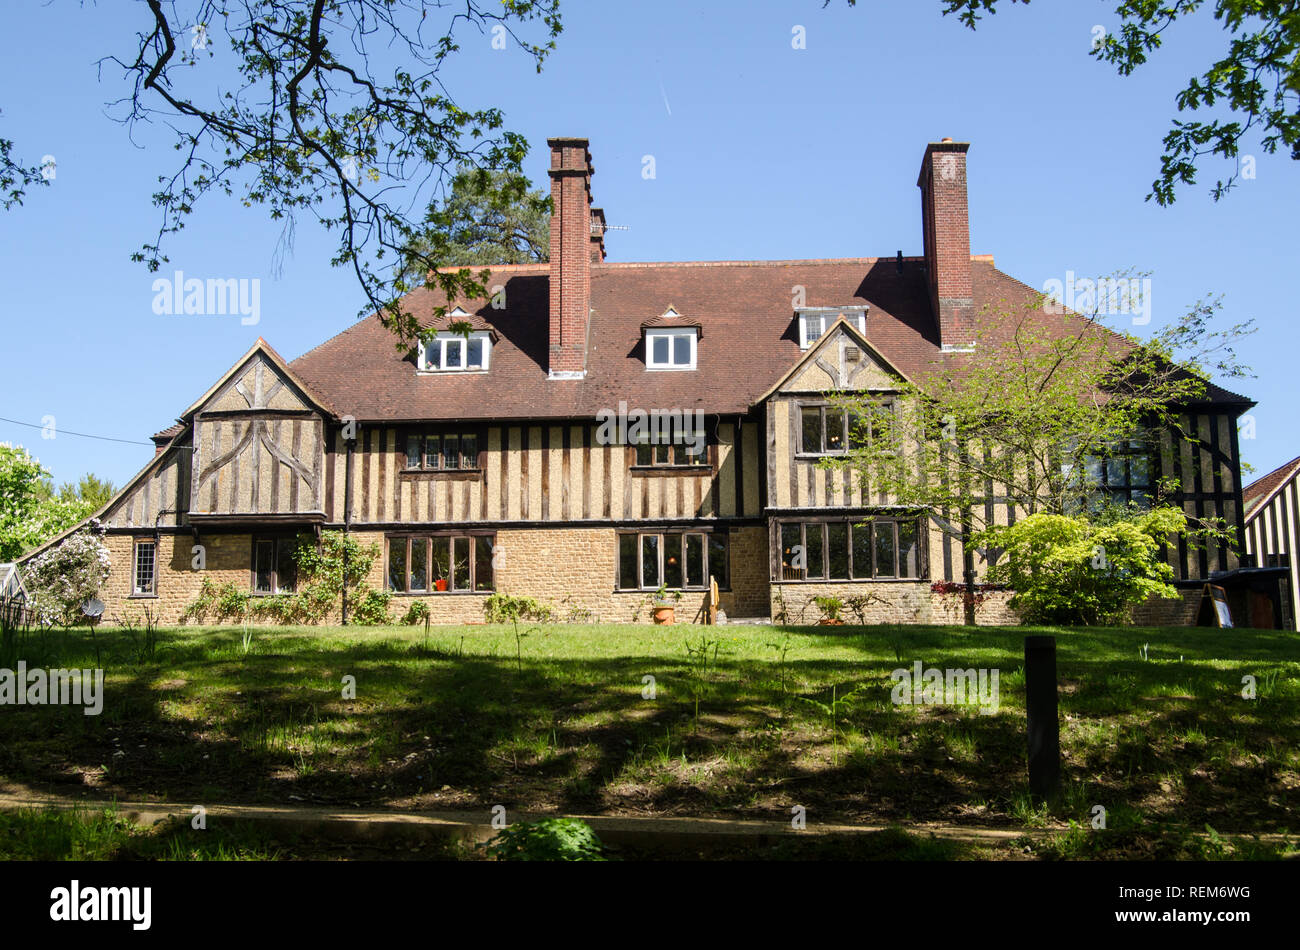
{"x":706,"y":536}
{"x":152,"y":590}
{"x":441,"y":339}
{"x":409,"y":539}
{"x":1105,"y":489}
{"x":885,"y":402}
{"x":827,"y":316}
{"x":276,"y":541}
{"x":425,"y":436}
{"x":871,"y":524}
{"x":675,"y":453}
{"x":691,"y":333}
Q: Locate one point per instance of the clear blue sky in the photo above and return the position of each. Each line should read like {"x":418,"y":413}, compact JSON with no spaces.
{"x":762,"y":151}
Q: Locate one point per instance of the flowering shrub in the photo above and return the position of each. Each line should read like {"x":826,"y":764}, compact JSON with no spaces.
{"x":72,"y":572}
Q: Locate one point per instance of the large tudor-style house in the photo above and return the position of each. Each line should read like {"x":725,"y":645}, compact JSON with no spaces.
{"x":478,"y":463}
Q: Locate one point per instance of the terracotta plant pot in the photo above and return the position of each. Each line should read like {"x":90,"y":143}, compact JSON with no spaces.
{"x":830,"y":622}
{"x":665,"y":613}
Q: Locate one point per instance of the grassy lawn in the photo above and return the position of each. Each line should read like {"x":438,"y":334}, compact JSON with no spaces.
{"x":455,"y":720}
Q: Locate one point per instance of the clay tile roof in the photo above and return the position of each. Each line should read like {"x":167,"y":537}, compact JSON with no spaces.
{"x":167,"y":434}
{"x":1260,"y":490}
{"x":748,"y":338}
{"x":671,"y":318}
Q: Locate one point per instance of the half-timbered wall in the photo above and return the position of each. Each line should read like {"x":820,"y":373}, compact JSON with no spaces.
{"x":1273,"y":533}
{"x":542,"y":474}
{"x":258,"y":448}
{"x":1207,"y":470}
{"x":161,"y":497}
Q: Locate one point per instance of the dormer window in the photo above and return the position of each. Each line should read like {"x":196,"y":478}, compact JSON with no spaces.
{"x":450,"y":352}
{"x":670,"y":349}
{"x":671,"y":341}
{"x":815,"y":321}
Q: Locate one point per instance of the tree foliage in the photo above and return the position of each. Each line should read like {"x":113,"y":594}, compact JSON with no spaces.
{"x":549,"y":839}
{"x":1027,"y":416}
{"x":493,"y":219}
{"x":1070,"y":570}
{"x":332,"y":110}
{"x":31,"y":512}
{"x":1255,"y":80}
{"x":15,"y":178}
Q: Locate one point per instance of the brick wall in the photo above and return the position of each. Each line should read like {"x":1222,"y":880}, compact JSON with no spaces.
{"x":571,"y":250}
{"x":1159,"y":612}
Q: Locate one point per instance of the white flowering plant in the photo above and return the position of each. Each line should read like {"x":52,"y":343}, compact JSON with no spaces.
{"x":72,"y":572}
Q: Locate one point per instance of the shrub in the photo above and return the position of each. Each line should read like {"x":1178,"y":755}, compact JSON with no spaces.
{"x":831,"y":607}
{"x":418,"y":612}
{"x":197,"y":610}
{"x":63,"y":578}
{"x":321,"y":579}
{"x":502,"y":608}
{"x":1070,"y":570}
{"x":371,"y":608}
{"x":551,"y":839}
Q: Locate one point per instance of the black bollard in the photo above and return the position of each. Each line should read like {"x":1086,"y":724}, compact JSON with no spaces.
{"x":1040,"y":709}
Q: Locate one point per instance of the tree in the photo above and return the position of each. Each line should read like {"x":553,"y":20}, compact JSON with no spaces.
{"x":1027,"y":417}
{"x":332,"y":109}
{"x":15,"y":178}
{"x":1257,"y":78}
{"x":30,"y":512}
{"x":90,"y":490}
{"x":492,"y":221}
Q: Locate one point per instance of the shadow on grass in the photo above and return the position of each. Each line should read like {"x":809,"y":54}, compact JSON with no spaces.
{"x":443,"y":726}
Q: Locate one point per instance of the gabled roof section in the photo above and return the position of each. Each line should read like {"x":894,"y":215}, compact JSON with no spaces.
{"x":1261,"y":491}
{"x":458,"y":314}
{"x":263,"y":349}
{"x":670,"y":319}
{"x":828,"y":356}
{"x":160,"y":459}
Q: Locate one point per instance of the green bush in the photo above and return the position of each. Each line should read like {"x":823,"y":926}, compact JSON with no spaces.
{"x":502,"y":608}
{"x":1072,"y":571}
{"x":551,"y":839}
{"x":831,"y":607}
{"x":418,"y":612}
{"x":371,"y":608}
{"x":321,"y":579}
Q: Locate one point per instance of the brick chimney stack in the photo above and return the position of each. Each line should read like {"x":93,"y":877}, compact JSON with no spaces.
{"x":945,"y":219}
{"x":573,"y":247}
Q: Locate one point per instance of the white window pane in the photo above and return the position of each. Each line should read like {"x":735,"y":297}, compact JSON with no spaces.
{"x":682,"y":350}
{"x":454,"y":354}
{"x":659,"y":350}
{"x":475,"y":357}
{"x":431,"y":352}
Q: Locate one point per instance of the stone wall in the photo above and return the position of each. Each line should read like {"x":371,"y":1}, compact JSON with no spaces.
{"x":893,"y":602}
{"x":177,"y":586}
{"x":572,"y":569}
